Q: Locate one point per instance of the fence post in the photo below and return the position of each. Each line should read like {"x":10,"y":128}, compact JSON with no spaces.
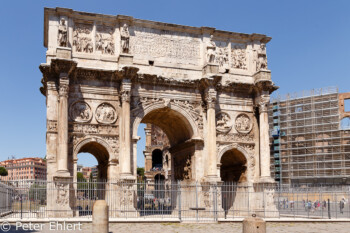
{"x":329,"y":209}
{"x":21,"y":204}
{"x":348,"y":205}
{"x":336,"y":203}
{"x":215,"y":202}
{"x":307,"y":201}
{"x":264,"y":204}
{"x":179,"y":198}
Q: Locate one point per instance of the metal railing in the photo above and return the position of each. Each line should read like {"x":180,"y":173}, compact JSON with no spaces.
{"x":183,"y":201}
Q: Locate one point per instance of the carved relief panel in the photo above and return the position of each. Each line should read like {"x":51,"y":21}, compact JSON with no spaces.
{"x":238,"y":56}
{"x":105,"y":113}
{"x":260,"y":57}
{"x":223,"y":122}
{"x":82,"y":38}
{"x":243,"y":123}
{"x":104,"y":39}
{"x":222,"y":54}
{"x":80,"y":111}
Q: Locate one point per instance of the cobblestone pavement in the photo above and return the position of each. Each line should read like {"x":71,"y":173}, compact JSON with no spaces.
{"x":206,"y":227}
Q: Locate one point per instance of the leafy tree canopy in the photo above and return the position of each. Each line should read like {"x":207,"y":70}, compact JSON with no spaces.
{"x":3,"y":171}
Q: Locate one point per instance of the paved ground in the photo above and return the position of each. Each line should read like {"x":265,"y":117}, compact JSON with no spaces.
{"x":205,"y":227}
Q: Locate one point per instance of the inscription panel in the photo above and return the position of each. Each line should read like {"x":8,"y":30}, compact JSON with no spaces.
{"x":174,"y":46}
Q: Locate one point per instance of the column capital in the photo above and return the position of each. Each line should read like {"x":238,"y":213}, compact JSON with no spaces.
{"x":210,"y":97}
{"x":125,"y":92}
{"x":263,"y":103}
{"x":64,"y":87}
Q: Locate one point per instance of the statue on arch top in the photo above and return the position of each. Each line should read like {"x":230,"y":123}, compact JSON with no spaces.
{"x":125,"y":36}
{"x":62,"y":33}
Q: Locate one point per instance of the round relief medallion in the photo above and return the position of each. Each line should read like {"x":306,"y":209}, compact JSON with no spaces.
{"x":80,"y":112}
{"x":223,"y":122}
{"x":105,"y":113}
{"x":243,"y":124}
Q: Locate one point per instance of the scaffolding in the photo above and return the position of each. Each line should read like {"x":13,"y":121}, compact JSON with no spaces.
{"x":308,"y":146}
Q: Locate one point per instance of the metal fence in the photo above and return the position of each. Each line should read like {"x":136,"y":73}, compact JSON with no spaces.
{"x":181,"y":201}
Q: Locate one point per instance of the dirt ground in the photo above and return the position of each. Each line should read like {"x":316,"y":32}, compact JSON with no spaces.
{"x":204,"y":227}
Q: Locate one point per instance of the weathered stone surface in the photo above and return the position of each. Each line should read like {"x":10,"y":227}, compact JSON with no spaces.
{"x":254,"y":225}
{"x":100,"y":220}
{"x":206,"y":89}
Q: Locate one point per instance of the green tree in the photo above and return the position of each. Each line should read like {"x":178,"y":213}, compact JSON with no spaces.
{"x":3,"y":171}
{"x":80,"y":177}
{"x":141,"y":172}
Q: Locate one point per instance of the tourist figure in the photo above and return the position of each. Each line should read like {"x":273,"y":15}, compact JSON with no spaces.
{"x":341,"y":206}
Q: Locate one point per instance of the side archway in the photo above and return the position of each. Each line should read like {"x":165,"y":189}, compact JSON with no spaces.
{"x":99,"y":149}
{"x":233,"y":162}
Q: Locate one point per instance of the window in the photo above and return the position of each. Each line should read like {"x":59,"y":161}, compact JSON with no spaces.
{"x":345,"y":123}
{"x":347,"y":105}
{"x":298,"y":109}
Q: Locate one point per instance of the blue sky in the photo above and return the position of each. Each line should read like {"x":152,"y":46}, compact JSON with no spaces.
{"x":310,"y":48}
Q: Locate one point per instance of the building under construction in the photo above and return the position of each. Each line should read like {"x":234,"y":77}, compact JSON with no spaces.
{"x":310,"y":138}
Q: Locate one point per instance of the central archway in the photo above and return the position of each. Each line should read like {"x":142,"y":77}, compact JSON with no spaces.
{"x":179,"y":127}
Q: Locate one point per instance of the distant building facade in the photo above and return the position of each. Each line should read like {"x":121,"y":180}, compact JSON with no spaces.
{"x":86,"y":172}
{"x":80,"y":168}
{"x":157,"y":156}
{"x":310,"y":138}
{"x":24,"y":170}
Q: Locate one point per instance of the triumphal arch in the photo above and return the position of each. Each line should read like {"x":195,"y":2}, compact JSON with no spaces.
{"x":207,"y":89}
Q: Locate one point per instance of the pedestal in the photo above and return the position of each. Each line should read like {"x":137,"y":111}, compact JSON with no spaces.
{"x":126,"y":59}
{"x":264,"y":205}
{"x":64,"y":52}
{"x":211,"y":68}
{"x":63,"y":193}
{"x":125,"y":200}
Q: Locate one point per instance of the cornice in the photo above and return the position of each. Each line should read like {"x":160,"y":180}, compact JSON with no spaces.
{"x":119,"y":19}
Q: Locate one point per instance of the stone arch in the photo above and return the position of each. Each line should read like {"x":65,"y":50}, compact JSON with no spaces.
{"x":345,"y":123}
{"x":88,"y":140}
{"x":247,"y":156}
{"x":232,"y":147}
{"x":193,"y":127}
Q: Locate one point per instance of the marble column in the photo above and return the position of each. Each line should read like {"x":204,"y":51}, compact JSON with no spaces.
{"x":264,"y":136}
{"x":125,"y":137}
{"x":51,"y":134}
{"x":134,"y":153}
{"x":211,"y":134}
{"x":62,"y":150}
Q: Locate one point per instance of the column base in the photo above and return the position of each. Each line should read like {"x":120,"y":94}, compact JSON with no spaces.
{"x":127,"y":176}
{"x":266,"y":179}
{"x":63,"y":173}
{"x":212,"y":179}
